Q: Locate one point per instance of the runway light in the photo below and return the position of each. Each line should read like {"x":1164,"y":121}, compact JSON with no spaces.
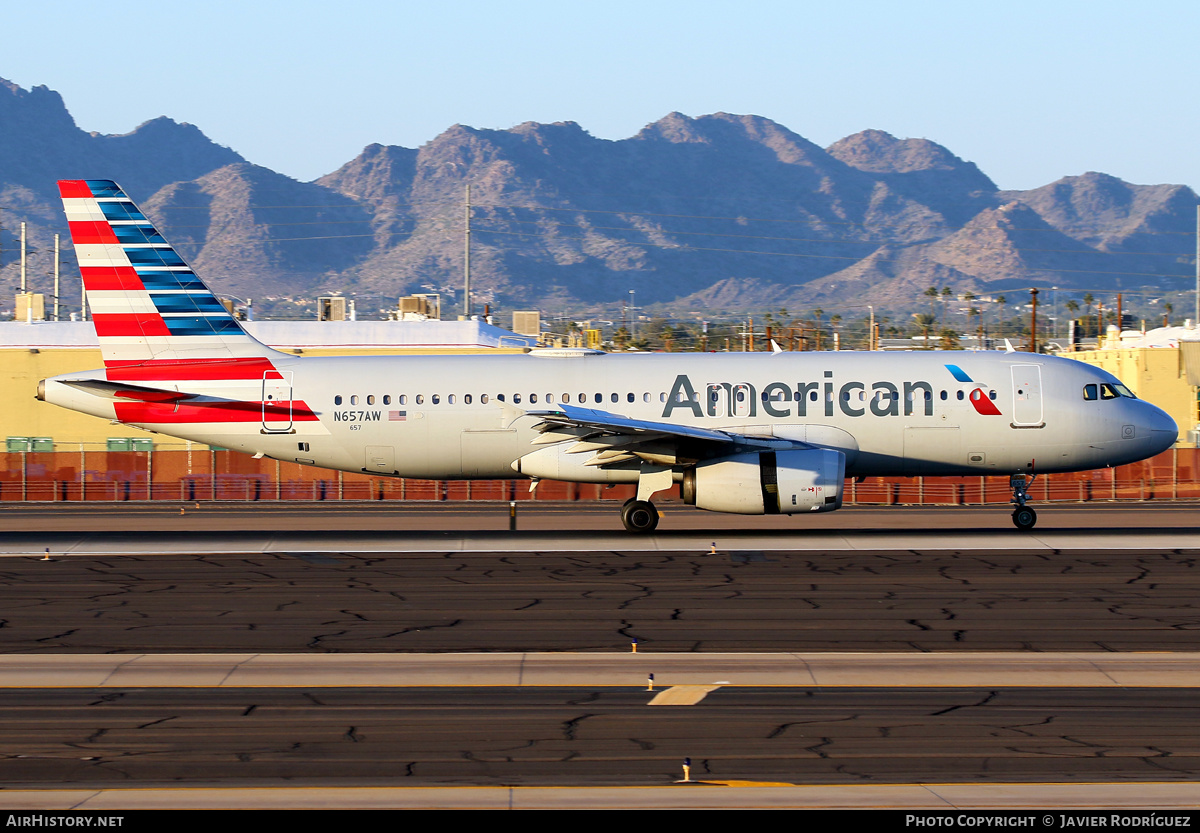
{"x":650,"y":682}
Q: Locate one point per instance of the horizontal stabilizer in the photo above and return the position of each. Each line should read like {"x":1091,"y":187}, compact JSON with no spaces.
{"x":127,"y":392}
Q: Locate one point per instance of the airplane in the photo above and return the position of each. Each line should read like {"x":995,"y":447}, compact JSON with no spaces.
{"x":746,"y":433}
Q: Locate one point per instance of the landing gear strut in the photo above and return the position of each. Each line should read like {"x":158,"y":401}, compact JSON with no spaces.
{"x":639,"y":516}
{"x":1023,"y":516}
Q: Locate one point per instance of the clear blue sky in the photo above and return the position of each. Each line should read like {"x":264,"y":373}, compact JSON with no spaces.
{"x":1029,"y":91}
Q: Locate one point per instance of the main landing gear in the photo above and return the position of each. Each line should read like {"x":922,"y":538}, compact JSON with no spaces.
{"x":1023,"y":516}
{"x":639,"y":516}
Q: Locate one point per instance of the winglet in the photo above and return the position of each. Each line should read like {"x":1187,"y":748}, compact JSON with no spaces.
{"x":1008,"y":348}
{"x":775,"y":348}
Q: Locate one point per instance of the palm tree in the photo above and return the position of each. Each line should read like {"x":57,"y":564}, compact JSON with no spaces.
{"x":932,"y":294}
{"x":926,"y":322}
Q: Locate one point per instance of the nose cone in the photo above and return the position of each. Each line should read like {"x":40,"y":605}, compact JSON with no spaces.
{"x":1159,"y":429}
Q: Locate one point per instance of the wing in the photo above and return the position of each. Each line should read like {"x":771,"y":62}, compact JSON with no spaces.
{"x":615,"y":439}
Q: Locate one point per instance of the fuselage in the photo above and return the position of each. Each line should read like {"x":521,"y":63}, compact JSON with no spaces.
{"x":451,"y":417}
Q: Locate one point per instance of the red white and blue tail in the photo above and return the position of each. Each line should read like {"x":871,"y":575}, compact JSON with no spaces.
{"x":151,"y":311}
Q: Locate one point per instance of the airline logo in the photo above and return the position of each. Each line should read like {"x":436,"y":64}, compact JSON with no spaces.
{"x":978,"y":396}
{"x":137,"y":285}
{"x":157,"y":321}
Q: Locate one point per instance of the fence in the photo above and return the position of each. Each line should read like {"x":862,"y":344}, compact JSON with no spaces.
{"x":202,"y":474}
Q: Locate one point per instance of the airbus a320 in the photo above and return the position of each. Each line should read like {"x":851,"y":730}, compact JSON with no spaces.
{"x":748,"y":433}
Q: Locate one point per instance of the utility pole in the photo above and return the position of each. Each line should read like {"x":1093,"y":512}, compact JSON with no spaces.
{"x":1196,"y":320}
{"x":56,"y":274}
{"x":23,"y":259}
{"x":1033,"y":344}
{"x":467,"y":259}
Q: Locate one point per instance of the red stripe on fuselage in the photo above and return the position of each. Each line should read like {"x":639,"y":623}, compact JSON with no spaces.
{"x":191,"y":369}
{"x":143,"y":413}
{"x":91,"y":231}
{"x":116,"y":324}
{"x":111,"y":277}
{"x":74,"y":189}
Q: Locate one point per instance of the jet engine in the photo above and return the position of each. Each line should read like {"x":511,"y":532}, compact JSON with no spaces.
{"x":768,"y":482}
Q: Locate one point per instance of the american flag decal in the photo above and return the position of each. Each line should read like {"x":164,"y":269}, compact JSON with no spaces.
{"x":397,"y":416}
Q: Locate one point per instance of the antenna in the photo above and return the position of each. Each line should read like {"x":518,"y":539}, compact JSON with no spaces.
{"x":467,"y":260}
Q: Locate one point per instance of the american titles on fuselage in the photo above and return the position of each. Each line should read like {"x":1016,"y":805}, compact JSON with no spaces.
{"x":782,"y":399}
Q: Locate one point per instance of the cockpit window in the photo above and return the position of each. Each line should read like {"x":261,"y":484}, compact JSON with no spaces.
{"x":1090,"y":392}
{"x":1124,"y":391}
{"x":1107,"y":391}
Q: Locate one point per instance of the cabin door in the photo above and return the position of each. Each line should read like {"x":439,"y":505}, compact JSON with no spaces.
{"x":1027,"y":395}
{"x":277,"y":402}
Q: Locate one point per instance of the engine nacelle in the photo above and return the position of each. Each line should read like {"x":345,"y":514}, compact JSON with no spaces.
{"x":768,"y":482}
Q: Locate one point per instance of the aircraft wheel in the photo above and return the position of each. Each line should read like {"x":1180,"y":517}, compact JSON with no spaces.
{"x":639,"y":516}
{"x":1024,"y":517}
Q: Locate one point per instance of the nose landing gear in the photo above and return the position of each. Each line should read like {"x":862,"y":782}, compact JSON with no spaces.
{"x":1023,"y":516}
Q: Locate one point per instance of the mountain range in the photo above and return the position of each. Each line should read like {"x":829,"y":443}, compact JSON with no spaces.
{"x":716,"y":213}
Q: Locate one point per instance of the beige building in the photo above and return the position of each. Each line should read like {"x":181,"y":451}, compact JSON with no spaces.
{"x":1155,"y":368}
{"x":32,"y":352}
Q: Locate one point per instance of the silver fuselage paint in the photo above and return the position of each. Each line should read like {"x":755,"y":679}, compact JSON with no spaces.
{"x":1043,"y":423}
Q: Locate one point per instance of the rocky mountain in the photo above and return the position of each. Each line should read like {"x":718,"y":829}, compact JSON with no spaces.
{"x":720,"y":212}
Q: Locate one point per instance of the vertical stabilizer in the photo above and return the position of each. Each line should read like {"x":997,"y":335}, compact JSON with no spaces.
{"x":151,"y":311}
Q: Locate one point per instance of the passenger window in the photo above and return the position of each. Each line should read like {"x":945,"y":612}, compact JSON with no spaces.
{"x":420,"y":400}
{"x":483,"y":398}
{"x":960,"y":396}
{"x":435,"y":399}
{"x":450,"y":399}
{"x":613,"y":397}
{"x":599,"y":398}
{"x":387,"y":399}
{"x":549,"y":397}
{"x":945,"y":396}
{"x":354,"y":400}
{"x":337,"y":400}
{"x":467,"y":399}
{"x":533,"y":397}
{"x":516,"y":399}
{"x":629,"y":397}
{"x":500,"y":397}
{"x":371,"y":399}
{"x":1089,"y":392}
{"x":662,"y":397}
{"x":646,"y":397}
{"x":566,"y":397}
{"x":402,"y":399}
{"x":992,"y":395}
{"x":813,"y":396}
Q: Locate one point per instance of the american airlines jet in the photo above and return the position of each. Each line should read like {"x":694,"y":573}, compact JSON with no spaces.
{"x":750,"y":433}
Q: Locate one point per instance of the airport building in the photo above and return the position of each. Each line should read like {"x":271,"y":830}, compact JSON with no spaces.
{"x":1161,"y":366}
{"x":54,"y":454}
{"x":30,"y":352}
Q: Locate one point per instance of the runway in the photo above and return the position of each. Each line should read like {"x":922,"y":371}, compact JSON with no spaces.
{"x":923,"y":658}
{"x":335,"y":601}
